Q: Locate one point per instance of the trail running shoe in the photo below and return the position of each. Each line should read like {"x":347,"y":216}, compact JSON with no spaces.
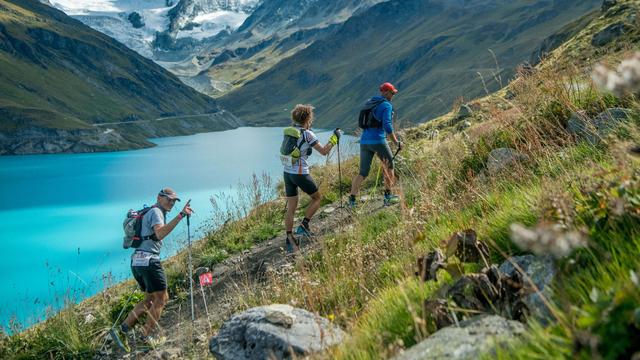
{"x":292,"y":244}
{"x":390,"y":199}
{"x":352,"y":202}
{"x":304,"y":231}
{"x":117,"y":340}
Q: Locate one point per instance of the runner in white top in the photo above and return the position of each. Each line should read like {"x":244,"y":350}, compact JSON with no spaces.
{"x":297,"y":175}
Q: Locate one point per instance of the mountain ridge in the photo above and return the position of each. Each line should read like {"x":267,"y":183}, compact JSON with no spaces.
{"x":58,"y":73}
{"x":430,"y":56}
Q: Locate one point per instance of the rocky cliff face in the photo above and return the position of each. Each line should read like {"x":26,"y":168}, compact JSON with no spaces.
{"x":187,"y":10}
{"x":38,"y":140}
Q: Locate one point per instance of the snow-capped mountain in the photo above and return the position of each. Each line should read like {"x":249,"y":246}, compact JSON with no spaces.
{"x":145,"y":25}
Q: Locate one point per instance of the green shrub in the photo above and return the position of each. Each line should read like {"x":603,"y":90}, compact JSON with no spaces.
{"x":124,"y":305}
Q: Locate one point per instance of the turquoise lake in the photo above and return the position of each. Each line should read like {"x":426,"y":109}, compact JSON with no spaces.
{"x":61,"y":215}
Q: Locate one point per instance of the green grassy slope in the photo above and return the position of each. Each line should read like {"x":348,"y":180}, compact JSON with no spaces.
{"x":56,"y":68}
{"x":432,"y":50}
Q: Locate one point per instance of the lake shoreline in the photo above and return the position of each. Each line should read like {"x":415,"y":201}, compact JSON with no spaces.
{"x":52,"y":201}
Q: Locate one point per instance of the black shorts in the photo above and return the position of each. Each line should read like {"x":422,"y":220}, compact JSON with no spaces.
{"x":368,"y":151}
{"x":294,"y":181}
{"x":150,"y":278}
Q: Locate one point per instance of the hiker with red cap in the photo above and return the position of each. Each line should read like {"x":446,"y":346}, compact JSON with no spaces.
{"x":376,"y":122}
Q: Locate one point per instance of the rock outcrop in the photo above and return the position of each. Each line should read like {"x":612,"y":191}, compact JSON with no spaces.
{"x":541,"y":271}
{"x":596,"y":129}
{"x":609,"y":33}
{"x":502,"y":158}
{"x":472,"y":338}
{"x":274,"y":332}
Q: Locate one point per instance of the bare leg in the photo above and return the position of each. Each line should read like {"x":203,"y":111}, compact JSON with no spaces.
{"x":314,"y":205}
{"x":138,"y":310}
{"x":159,"y":300}
{"x":356,"y":183}
{"x":292,"y":205}
{"x":388,"y":175}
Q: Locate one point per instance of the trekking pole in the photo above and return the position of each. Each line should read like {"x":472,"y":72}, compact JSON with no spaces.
{"x":339,"y":176}
{"x":396,"y":154}
{"x":193,"y":314}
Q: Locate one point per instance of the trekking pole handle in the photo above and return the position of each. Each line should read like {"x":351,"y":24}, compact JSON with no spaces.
{"x":188,"y":216}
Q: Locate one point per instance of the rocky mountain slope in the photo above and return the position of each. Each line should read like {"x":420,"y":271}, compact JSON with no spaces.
{"x":159,"y":29}
{"x":59,"y":78}
{"x":434,"y":51}
{"x":275,"y":30}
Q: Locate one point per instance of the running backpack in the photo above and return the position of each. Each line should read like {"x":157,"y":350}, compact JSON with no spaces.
{"x":133,"y":227}
{"x":366,"y":119}
{"x":291,"y":144}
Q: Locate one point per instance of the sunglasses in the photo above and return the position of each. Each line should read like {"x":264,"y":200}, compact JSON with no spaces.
{"x":164,"y":194}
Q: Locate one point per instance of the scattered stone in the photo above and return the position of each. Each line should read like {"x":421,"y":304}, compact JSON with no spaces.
{"x":540,"y":270}
{"x":464,"y":125}
{"x":429,"y":265}
{"x":473,"y":337}
{"x":502,"y":158}
{"x":172,"y":353}
{"x":596,"y":129}
{"x":89,"y":318}
{"x":274,"y":332}
{"x":329,"y":210}
{"x":609,"y":33}
{"x":437,"y":314}
{"x":465,"y":245}
{"x":464,"y":112}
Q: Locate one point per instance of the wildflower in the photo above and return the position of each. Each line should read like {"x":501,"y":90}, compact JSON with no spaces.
{"x":547,"y":239}
{"x":624,"y":81}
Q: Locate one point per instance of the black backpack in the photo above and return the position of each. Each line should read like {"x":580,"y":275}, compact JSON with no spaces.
{"x":366,"y":119}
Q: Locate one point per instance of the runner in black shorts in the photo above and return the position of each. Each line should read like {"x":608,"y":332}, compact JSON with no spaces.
{"x":296,"y":175}
{"x":146,"y":266}
{"x":150,"y":278}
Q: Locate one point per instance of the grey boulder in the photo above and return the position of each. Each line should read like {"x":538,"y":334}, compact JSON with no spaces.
{"x":610,"y":33}
{"x":540,"y":270}
{"x":502,"y":158}
{"x":464,"y":112}
{"x":472,"y":338}
{"x":274,"y":332}
{"x":594,"y":130}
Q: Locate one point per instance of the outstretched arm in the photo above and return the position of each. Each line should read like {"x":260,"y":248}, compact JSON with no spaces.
{"x":163,"y":230}
{"x":324,"y":150}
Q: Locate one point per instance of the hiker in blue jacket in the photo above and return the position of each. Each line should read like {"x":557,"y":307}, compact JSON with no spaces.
{"x":374,"y":142}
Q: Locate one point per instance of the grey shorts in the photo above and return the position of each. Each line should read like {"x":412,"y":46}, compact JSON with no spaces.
{"x":367,"y":151}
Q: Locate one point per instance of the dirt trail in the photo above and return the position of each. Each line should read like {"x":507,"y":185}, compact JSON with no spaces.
{"x":231,"y":278}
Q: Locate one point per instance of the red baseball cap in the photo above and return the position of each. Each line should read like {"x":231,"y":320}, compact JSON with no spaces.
{"x":388,"y":87}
